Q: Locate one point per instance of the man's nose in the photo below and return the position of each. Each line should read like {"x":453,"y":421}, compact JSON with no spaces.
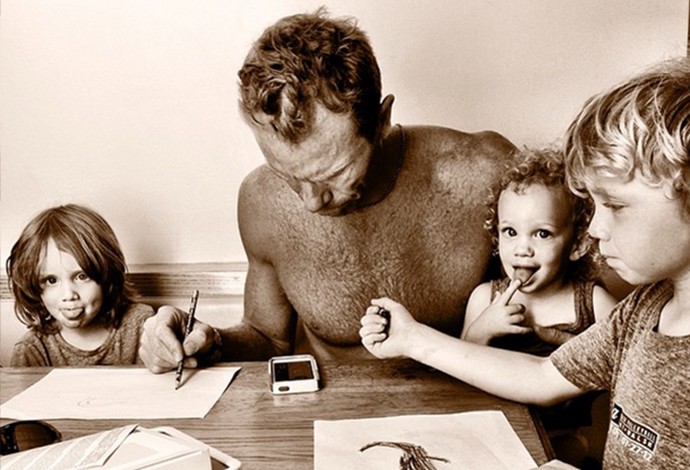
{"x":315,"y":196}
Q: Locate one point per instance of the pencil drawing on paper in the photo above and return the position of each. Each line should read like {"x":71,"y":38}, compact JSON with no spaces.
{"x":95,"y":402}
{"x":414,"y":457}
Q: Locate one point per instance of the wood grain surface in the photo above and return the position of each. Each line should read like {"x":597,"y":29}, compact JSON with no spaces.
{"x":268,"y":432}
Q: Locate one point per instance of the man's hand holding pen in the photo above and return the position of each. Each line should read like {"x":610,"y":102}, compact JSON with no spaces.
{"x":164,"y":333}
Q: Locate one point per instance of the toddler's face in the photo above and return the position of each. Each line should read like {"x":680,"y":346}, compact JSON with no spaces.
{"x":535,"y":231}
{"x":69,"y":295}
{"x":643,"y":233}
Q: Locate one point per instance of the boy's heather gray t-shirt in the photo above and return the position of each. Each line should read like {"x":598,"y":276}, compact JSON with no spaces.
{"x":120,"y":348}
{"x":648,"y":375}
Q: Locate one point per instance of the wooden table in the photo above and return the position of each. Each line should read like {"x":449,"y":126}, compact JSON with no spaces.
{"x":267,"y":432}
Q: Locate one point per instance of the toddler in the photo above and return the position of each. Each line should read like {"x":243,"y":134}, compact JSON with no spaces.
{"x":540,"y":229}
{"x":67,"y":275}
{"x":629,"y":150}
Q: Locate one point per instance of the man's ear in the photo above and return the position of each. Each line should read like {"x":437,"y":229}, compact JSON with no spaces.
{"x":385,"y":112}
{"x":580,"y":248}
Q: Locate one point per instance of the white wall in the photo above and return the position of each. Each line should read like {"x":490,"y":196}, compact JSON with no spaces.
{"x":130,"y":105}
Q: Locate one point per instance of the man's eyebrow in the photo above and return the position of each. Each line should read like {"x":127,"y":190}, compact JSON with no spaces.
{"x":337,"y":172}
{"x":328,"y":176}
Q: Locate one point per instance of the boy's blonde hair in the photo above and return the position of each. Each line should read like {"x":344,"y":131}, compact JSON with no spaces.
{"x":640,"y":127}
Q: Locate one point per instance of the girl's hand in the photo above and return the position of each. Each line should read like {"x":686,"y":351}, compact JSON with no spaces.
{"x":499,"y":319}
{"x":386,"y":338}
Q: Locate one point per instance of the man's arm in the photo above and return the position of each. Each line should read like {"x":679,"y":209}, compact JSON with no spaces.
{"x":267,"y":328}
{"x":268,"y":325}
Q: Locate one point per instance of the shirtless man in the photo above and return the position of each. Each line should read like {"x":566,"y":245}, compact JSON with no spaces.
{"x":348,"y":207}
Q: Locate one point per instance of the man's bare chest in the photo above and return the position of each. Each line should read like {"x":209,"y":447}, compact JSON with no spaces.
{"x":430,"y":263}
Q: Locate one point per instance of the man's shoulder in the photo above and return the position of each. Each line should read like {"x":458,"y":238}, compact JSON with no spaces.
{"x":257,"y":178}
{"x":265,"y":205}
{"x":457,"y":162}
{"x":262,"y":186}
{"x":444,"y":141}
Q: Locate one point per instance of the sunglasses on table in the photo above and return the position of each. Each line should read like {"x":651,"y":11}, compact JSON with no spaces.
{"x":25,"y":435}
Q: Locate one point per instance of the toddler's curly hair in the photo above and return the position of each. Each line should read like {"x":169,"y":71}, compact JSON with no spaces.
{"x":547,"y":167}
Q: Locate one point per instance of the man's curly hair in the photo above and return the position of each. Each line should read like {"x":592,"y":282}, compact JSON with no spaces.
{"x":307,"y":59}
{"x":546,"y":167}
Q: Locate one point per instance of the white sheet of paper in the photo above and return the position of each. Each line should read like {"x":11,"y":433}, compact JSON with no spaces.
{"x":476,"y":440}
{"x":119,"y":393}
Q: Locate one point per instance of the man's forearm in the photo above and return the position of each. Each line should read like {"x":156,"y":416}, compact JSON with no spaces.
{"x":242,"y":342}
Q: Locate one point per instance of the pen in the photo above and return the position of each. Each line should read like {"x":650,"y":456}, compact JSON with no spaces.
{"x":187,"y":330}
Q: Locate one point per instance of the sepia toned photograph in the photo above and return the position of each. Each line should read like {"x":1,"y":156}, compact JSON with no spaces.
{"x":301,"y":234}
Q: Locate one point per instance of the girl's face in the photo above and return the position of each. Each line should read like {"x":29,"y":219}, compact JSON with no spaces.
{"x":69,"y":295}
{"x":643,"y":233}
{"x":535,"y":231}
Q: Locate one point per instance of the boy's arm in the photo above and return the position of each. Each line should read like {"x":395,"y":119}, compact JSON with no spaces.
{"x":508,"y":374}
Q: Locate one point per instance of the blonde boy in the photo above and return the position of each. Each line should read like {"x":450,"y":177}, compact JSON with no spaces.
{"x":629,"y":150}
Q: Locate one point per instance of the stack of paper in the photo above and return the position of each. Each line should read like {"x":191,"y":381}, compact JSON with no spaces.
{"x":125,"y":448}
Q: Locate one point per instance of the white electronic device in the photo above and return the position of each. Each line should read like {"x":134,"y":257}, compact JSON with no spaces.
{"x":293,"y":374}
